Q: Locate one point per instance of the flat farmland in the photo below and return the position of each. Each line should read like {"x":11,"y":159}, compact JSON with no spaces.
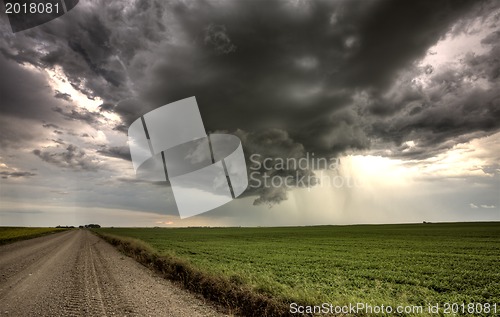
{"x":409,"y":264}
{"x":11,"y":234}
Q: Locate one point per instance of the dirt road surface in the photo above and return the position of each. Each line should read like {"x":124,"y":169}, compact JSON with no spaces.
{"x":75,"y":273}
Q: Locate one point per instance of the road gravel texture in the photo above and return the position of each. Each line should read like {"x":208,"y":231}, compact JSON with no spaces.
{"x":75,"y":273}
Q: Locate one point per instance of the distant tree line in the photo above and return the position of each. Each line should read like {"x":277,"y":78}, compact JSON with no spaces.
{"x":92,"y":225}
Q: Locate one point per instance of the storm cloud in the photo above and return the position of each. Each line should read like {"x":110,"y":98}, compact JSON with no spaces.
{"x":18,"y":174}
{"x":72,"y":158}
{"x":277,"y":64}
{"x":288,"y":77}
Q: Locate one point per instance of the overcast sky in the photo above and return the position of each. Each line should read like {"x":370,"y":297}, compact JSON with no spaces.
{"x":405,"y":94}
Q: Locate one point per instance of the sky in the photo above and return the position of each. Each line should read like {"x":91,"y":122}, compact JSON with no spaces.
{"x":404,"y":97}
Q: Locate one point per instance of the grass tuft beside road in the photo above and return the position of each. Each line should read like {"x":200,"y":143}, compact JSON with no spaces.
{"x":375,"y":264}
{"x":12,"y":234}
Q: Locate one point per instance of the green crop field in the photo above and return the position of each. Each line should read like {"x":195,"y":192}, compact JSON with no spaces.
{"x":414,"y":264}
{"x":11,"y":234}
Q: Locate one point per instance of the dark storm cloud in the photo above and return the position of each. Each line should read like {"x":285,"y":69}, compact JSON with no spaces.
{"x":24,"y":93}
{"x":293,"y":68}
{"x":82,"y":114}
{"x":452,"y":110}
{"x":6,"y":175}
{"x":50,"y":126}
{"x":142,"y":181}
{"x":72,"y":157}
{"x":273,"y":145}
{"x":255,"y":85}
{"x":251,"y":66}
{"x":107,"y":107}
{"x":395,"y":33}
{"x":62,"y":95}
{"x":58,"y":141}
{"x":216,"y":37}
{"x":121,"y":152}
{"x":284,"y":75}
{"x":25,"y":102}
{"x":129,"y":110}
{"x":122,"y":128}
{"x":16,"y":133}
{"x":110,"y":76}
{"x":79,"y":44}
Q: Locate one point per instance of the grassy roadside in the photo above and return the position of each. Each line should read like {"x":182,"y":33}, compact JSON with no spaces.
{"x":229,"y":292}
{"x":12,"y":234}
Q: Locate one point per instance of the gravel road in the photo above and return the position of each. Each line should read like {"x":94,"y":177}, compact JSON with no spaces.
{"x":75,"y":273}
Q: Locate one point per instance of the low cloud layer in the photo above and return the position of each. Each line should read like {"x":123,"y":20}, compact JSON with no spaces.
{"x":6,"y":175}
{"x":72,"y":158}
